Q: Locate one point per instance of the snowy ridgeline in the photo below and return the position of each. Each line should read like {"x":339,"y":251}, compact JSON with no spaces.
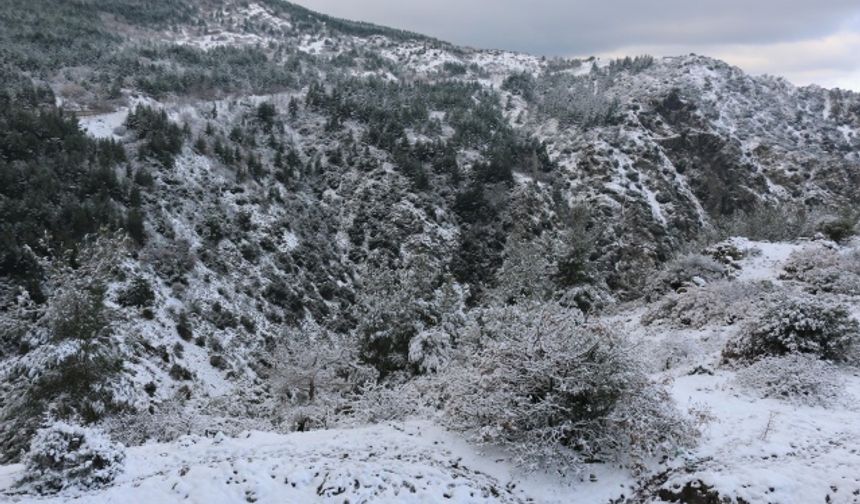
{"x":775,"y":429}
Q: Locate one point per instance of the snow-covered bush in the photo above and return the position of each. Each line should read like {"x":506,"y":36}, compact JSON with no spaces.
{"x":824,"y":269}
{"x":554,"y":390}
{"x":722,"y":303}
{"x":387,"y":401}
{"x":164,"y":423}
{"x":685,"y":271}
{"x":139,"y":294}
{"x":799,"y":324}
{"x":794,"y":377}
{"x":838,"y":228}
{"x":172,"y":260}
{"x":64,"y":455}
{"x":397,"y":306}
{"x":671,"y":353}
{"x":768,"y":223}
{"x":525,"y":272}
{"x":576,"y":100}
{"x":729,"y":253}
{"x":315,"y":374}
{"x":430,"y":350}
{"x":588,"y":299}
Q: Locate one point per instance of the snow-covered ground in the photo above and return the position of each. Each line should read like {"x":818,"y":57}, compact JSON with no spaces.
{"x":397,"y":462}
{"x":767,"y":260}
{"x":763,"y":449}
{"x":768,"y":450}
{"x":104,"y":125}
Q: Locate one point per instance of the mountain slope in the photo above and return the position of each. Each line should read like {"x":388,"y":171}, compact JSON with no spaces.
{"x":298,"y":214}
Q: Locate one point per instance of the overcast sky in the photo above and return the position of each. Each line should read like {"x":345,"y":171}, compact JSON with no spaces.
{"x":807,"y":41}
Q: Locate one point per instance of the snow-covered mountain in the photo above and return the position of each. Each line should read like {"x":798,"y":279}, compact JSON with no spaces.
{"x":278,"y":220}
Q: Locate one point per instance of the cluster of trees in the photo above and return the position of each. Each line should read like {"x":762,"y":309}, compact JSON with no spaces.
{"x":521,"y":84}
{"x":69,"y":355}
{"x":224,"y":69}
{"x":57,"y":184}
{"x":576,"y":99}
{"x":41,"y":36}
{"x":161,"y":139}
{"x":387,"y":107}
{"x":390,"y":110}
{"x":630,"y":65}
{"x":254,"y":146}
{"x":579,"y":100}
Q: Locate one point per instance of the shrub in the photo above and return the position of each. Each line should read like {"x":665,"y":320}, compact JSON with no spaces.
{"x":138,"y":294}
{"x":767,"y":223}
{"x":78,"y":384}
{"x":574,"y":267}
{"x":70,"y":456}
{"x":134,"y":225}
{"x":218,"y":362}
{"x":728,"y":253}
{"x":172,"y":260}
{"x":838,"y":229}
{"x":554,"y":390}
{"x":686,"y":271}
{"x":797,"y":325}
{"x":183,"y":327}
{"x":315,"y":372}
{"x":79,"y":315}
{"x":430,"y":350}
{"x":525,"y":272}
{"x":266,"y":114}
{"x":721,"y":303}
{"x":823,"y":269}
{"x":180,"y":373}
{"x":396,"y":306}
{"x":85,"y":355}
{"x":588,"y":299}
{"x":166,"y":422}
{"x":794,"y":377}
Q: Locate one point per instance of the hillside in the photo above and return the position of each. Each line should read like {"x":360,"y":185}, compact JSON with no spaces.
{"x":227,"y":216}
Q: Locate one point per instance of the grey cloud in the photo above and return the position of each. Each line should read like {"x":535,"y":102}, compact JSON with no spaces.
{"x":557,"y":27}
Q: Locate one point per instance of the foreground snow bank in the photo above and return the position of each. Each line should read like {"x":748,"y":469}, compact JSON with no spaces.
{"x":409,"y":462}
{"x":768,"y":450}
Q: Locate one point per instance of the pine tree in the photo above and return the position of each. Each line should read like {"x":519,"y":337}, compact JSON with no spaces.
{"x":200,"y":145}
